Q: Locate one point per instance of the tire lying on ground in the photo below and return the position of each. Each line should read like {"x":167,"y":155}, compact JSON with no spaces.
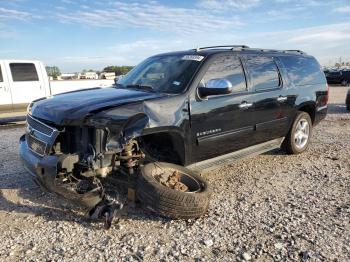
{"x":172,"y":191}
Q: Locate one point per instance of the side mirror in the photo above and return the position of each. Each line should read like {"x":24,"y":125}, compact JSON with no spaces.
{"x":116,"y":80}
{"x":219,"y":86}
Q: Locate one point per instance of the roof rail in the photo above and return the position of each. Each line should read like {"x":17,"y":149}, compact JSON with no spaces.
{"x":264,"y":50}
{"x":221,"y":46}
{"x":294,"y":50}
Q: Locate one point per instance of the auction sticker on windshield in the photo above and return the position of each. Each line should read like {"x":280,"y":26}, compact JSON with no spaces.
{"x":192,"y":57}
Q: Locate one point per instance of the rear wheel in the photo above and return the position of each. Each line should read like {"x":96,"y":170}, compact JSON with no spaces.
{"x":298,"y":137}
{"x":172,"y":191}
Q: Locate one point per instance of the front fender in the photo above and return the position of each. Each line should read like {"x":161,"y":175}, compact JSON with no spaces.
{"x":130,"y":121}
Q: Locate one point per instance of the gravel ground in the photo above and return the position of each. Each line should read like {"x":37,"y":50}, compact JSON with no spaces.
{"x":273,"y":207}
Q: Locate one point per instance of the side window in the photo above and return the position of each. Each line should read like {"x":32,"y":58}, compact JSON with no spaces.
{"x":228,"y":67}
{"x":303,"y":70}
{"x":263,"y":72}
{"x":23,"y":72}
{"x":1,"y":79}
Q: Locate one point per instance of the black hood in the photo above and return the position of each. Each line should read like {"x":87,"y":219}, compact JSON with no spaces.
{"x":73,"y":107}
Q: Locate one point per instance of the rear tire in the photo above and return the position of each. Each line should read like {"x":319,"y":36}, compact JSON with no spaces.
{"x":298,"y":137}
{"x":170,"y":202}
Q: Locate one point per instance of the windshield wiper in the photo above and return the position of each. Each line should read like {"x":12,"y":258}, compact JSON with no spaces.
{"x":143,"y":87}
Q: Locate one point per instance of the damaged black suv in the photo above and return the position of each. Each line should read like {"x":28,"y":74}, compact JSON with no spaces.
{"x":172,"y":116}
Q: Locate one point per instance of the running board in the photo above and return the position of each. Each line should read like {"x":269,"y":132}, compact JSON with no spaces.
{"x":214,"y":163}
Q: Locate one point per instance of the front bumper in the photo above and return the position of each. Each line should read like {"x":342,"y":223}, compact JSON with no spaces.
{"x":44,"y":171}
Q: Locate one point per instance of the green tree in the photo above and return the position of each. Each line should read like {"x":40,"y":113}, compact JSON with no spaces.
{"x":53,"y":71}
{"x":118,"y":70}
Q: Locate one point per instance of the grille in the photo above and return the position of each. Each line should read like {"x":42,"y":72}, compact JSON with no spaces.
{"x":40,"y":127}
{"x":36,"y":145}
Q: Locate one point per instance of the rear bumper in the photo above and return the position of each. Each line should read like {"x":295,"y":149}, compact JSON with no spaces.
{"x":321,"y":113}
{"x":44,"y":171}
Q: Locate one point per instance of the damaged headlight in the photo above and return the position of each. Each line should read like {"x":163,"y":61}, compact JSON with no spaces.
{"x":29,"y":108}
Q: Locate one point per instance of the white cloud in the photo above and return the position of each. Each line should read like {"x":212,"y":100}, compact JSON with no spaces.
{"x":12,"y":14}
{"x":343,"y":9}
{"x":229,"y":4}
{"x":152,"y":15}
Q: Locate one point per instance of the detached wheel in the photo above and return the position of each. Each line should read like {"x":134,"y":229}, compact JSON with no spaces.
{"x":172,"y":191}
{"x":298,"y":137}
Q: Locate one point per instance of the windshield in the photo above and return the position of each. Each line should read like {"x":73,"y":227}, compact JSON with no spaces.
{"x":334,"y":73}
{"x":165,"y":74}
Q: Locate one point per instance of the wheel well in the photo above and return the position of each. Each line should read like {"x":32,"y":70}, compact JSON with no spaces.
{"x":165,"y":147}
{"x":310,"y":109}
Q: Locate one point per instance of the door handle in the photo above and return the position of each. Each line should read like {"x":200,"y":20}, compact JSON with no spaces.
{"x":245,"y":105}
{"x":282,"y":98}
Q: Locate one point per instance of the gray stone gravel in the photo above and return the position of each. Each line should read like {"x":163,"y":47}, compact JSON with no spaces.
{"x":272,"y":207}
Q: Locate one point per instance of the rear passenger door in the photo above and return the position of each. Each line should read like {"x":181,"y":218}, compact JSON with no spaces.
{"x":26,"y":83}
{"x":270,"y":100}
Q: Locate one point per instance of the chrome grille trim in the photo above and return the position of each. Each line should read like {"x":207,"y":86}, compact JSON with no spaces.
{"x":40,"y":137}
{"x":40,"y":126}
{"x":30,"y":140}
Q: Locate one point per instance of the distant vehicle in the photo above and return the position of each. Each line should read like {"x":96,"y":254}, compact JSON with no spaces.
{"x":338,"y":77}
{"x":347,"y":101}
{"x":22,"y":81}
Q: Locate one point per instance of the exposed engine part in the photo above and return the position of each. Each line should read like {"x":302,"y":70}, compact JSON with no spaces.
{"x":107,"y":209}
{"x":131,"y":156}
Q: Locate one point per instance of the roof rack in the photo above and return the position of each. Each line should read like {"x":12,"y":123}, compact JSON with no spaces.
{"x":221,"y":46}
{"x":264,"y":50}
{"x":294,"y":51}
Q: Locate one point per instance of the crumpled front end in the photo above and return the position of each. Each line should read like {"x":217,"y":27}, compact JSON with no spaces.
{"x":36,"y":152}
{"x":96,"y":161}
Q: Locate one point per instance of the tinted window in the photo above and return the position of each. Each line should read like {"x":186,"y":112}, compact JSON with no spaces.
{"x":303,"y":70}
{"x":263,"y":72}
{"x":1,"y":79}
{"x":334,"y":73}
{"x":228,"y":67}
{"x":23,"y":72}
{"x":346,"y":74}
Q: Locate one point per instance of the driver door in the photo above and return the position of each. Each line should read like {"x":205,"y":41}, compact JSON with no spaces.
{"x":223,"y":123}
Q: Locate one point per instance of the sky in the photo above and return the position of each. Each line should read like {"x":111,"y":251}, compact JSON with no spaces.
{"x":85,"y":34}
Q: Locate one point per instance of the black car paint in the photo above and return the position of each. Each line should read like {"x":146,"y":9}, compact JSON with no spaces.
{"x":72,"y":108}
{"x":207,"y":127}
{"x":338,"y":77}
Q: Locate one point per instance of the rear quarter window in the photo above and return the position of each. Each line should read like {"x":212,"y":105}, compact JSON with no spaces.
{"x":303,"y":70}
{"x":346,"y":74}
{"x":1,"y":79}
{"x":23,"y":72}
{"x":263,"y":72}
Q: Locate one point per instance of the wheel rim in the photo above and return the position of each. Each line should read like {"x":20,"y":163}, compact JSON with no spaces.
{"x":302,"y":133}
{"x":177,"y":180}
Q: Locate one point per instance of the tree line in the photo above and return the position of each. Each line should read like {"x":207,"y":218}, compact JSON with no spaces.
{"x":54,"y":71}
